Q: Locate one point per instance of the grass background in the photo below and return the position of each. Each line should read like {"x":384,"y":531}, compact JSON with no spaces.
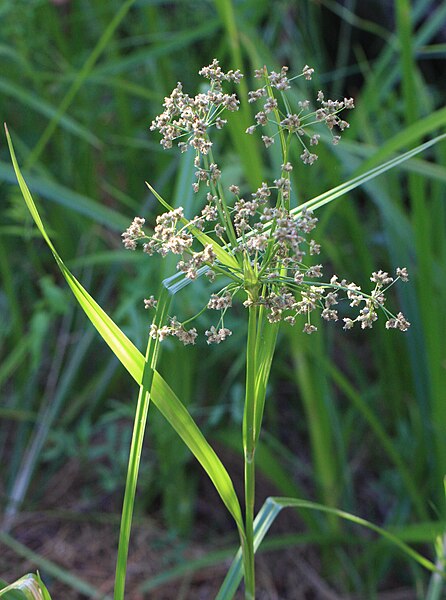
{"x":356,"y":421}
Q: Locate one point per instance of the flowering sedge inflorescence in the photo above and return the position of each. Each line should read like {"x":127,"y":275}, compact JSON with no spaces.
{"x":270,"y":243}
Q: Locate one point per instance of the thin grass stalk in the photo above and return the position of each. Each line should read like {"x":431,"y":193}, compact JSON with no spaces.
{"x":274,"y":505}
{"x":52,"y":400}
{"x":139,"y":426}
{"x":17,"y":327}
{"x":435,"y":588}
{"x":80,"y":78}
{"x":247,"y":147}
{"x":361,"y":406}
{"x":312,"y":385}
{"x":249,"y":451}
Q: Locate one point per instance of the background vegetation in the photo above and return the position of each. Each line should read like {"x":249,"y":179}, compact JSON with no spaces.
{"x":353,"y":421}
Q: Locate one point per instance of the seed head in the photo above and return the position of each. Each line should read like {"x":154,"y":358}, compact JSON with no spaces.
{"x":274,"y":265}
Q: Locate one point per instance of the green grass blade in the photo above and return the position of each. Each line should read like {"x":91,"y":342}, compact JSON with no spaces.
{"x":352,"y":150}
{"x":79,"y":80}
{"x":44,"y":108}
{"x":316,"y":397}
{"x":153,"y":386}
{"x":164,"y":398}
{"x":12,"y":594}
{"x":371,"y":173}
{"x":11,"y":362}
{"x":69,"y":199}
{"x":175,"y":45}
{"x":408,"y":136}
{"x":382,"y":437}
{"x":338,"y":191}
{"x":173,"y":410}
{"x":307,"y":504}
{"x":268,"y":514}
{"x":262,"y":523}
{"x":121,"y":346}
{"x":409,"y":68}
{"x":139,"y":427}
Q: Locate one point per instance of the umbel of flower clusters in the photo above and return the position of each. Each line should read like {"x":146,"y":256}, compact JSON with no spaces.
{"x":271,"y":242}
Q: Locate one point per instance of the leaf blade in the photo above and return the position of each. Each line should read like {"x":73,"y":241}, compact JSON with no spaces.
{"x":132,"y":359}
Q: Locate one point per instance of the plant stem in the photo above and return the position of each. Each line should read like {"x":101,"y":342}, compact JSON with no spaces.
{"x":436,"y":582}
{"x":136,"y":448}
{"x":249,"y":565}
{"x":249,"y":452}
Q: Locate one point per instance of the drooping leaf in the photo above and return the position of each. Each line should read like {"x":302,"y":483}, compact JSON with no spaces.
{"x":267,"y":515}
{"x":132,"y":359}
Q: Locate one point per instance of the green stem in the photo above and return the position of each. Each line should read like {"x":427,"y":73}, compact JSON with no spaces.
{"x":136,"y":448}
{"x":249,"y":452}
{"x":223,"y":209}
{"x":434,"y":591}
{"x":248,"y":559}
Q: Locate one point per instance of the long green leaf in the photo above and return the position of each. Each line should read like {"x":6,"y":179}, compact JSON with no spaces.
{"x":408,"y":136}
{"x":355,"y":182}
{"x":268,"y":514}
{"x":134,"y":461}
{"x":175,"y":412}
{"x":344,"y":188}
{"x":175,"y":45}
{"x":132,"y":359}
{"x":69,"y":199}
{"x":41,"y":106}
{"x":86,"y":69}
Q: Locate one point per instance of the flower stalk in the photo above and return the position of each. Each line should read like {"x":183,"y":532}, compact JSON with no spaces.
{"x":249,"y":447}
{"x":139,"y":426}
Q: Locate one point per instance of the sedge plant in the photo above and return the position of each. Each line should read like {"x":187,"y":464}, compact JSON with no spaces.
{"x":270,"y":266}
{"x":254,"y":248}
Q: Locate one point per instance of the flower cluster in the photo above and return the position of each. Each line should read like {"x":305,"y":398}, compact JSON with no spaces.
{"x":296,"y":123}
{"x":170,"y":236}
{"x":188,"y":119}
{"x":133,"y":233}
{"x":174,"y":329}
{"x":269,"y":244}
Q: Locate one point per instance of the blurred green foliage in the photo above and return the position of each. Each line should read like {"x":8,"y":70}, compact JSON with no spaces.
{"x":355,"y":421}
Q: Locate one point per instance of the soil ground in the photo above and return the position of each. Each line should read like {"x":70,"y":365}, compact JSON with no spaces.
{"x":82,"y":541}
